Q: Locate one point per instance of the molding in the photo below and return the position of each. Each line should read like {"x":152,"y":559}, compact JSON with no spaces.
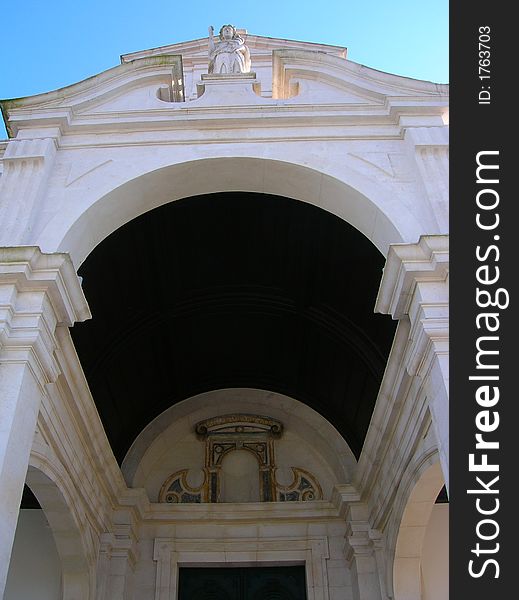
{"x":38,"y":292}
{"x":346,"y":72}
{"x":171,"y":553}
{"x":390,"y":121}
{"x":89,"y":429}
{"x":246,"y":512}
{"x":389,"y":99}
{"x":342,"y":496}
{"x":30,"y":270}
{"x":95,"y":85}
{"x":35,"y":149}
{"x":424,"y":138}
{"x":407,"y":265}
{"x":197,"y":48}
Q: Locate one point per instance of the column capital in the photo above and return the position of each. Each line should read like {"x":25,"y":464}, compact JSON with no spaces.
{"x":428,"y":137}
{"x":31,"y":270}
{"x":356,"y":514}
{"x":415,"y":283}
{"x":360,"y":552}
{"x":38,"y":292}
{"x":407,"y":266}
{"x":121,"y":543}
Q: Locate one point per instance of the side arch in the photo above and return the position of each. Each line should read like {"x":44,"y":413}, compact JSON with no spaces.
{"x":422,"y":486}
{"x":77,"y":560}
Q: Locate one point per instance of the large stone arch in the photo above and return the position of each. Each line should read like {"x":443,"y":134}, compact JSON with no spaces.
{"x":48,"y":483}
{"x":419,"y":491}
{"x":357,"y":199}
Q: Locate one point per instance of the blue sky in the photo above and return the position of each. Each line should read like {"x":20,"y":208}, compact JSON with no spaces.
{"x":47,"y":45}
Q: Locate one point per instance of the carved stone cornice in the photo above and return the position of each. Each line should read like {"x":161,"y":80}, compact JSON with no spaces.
{"x":38,"y":292}
{"x":409,"y":265}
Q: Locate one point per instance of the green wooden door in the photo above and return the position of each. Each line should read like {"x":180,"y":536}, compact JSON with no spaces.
{"x":242,"y":583}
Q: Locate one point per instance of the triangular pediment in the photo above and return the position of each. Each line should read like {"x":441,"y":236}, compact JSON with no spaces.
{"x":258,"y":45}
{"x":165,"y":83}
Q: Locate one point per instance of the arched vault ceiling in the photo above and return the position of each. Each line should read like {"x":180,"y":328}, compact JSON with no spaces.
{"x":233,"y":290}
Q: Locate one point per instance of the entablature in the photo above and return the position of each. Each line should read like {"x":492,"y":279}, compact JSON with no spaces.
{"x":310,"y":89}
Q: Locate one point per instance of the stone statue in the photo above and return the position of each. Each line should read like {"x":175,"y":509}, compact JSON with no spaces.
{"x":229,"y":54}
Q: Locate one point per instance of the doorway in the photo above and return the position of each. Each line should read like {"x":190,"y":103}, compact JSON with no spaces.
{"x":242,"y":583}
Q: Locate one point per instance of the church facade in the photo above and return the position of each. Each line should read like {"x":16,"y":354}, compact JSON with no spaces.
{"x":224,"y":329}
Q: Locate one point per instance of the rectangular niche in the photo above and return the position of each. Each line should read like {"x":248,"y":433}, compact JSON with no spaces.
{"x":173,"y":554}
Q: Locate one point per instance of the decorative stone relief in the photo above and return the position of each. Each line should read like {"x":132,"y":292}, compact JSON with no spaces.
{"x":240,"y":432}
{"x":229,"y":54}
{"x":303,"y":488}
{"x":177,"y":490}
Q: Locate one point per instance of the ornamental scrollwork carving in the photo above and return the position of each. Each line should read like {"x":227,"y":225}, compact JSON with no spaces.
{"x":255,"y":434}
{"x":303,"y":488}
{"x":176,"y":490}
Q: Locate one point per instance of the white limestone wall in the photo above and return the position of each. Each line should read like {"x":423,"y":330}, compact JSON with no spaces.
{"x":35,"y":570}
{"x":92,"y":192}
{"x":435,"y":555}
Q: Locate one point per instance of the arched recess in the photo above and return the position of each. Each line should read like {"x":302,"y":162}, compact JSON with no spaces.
{"x":233,"y":290}
{"x":410,"y":578}
{"x":345,"y":193}
{"x":78,"y":572}
{"x":34,"y":551}
{"x":301,"y":422}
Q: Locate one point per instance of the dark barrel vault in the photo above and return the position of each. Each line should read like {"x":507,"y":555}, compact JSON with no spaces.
{"x":233,"y":290}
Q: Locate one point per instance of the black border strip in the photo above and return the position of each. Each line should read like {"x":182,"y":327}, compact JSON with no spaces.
{"x":476,"y":128}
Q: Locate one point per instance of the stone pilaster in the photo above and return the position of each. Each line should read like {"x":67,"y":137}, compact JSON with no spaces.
{"x":27,"y":167}
{"x":359,"y":548}
{"x":379,"y":548}
{"x":415,"y":287}
{"x":38,"y":292}
{"x":116,"y":564}
{"x":429,"y":149}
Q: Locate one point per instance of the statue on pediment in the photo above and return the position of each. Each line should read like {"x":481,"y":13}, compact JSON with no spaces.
{"x":228,"y":54}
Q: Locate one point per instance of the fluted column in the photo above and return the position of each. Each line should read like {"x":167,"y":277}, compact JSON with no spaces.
{"x":429,"y":149}
{"x":28,"y":164}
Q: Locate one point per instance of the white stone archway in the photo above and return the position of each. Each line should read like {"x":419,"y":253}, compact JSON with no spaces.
{"x":341,"y":191}
{"x":368,"y":147}
{"x":48,"y":484}
{"x":407,"y":574}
